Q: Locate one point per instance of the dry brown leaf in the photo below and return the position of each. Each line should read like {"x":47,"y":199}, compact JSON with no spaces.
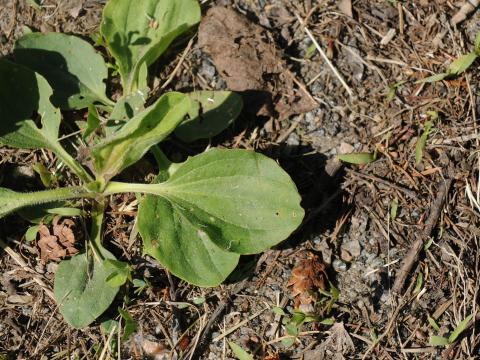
{"x":307,"y":277}
{"x":59,"y":245}
{"x":251,"y":64}
{"x":345,"y":6}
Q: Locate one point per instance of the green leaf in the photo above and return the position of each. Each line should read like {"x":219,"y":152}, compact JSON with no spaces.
{"x":128,"y":145}
{"x":138,"y":32}
{"x":310,"y":51}
{"x":462,"y":63}
{"x":199,"y":300}
{"x":433,"y":323}
{"x":433,"y":78}
{"x":239,"y":353}
{"x":130,"y":324}
{"x":129,"y":105}
{"x":24,"y":96}
{"x":459,"y":329}
{"x":93,"y":122}
{"x":288,"y":341}
{"x":292,"y":329}
{"x":422,"y":141}
{"x":45,"y":176}
{"x":358,"y":158}
{"x":211,"y":112}
{"x":438,"y":341}
{"x":328,"y":321}
{"x":278,"y":310}
{"x":215,"y":204}
{"x":419,"y":284}
{"x":121,"y":272}
{"x":81,"y":288}
{"x":71,"y":65}
{"x":31,"y":233}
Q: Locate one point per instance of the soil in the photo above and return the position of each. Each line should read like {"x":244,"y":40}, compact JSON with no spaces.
{"x":338,"y":272}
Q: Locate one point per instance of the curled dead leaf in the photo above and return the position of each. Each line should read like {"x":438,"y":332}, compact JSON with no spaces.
{"x":59,"y":245}
{"x":308,"y":276}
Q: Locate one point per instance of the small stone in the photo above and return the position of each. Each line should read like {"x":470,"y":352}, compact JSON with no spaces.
{"x":339,"y":265}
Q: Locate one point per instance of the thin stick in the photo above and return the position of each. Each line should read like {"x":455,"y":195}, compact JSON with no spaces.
{"x":403,"y":189}
{"x":180,"y":62}
{"x":412,"y":255}
{"x":325,"y":58}
{"x":239,"y":325}
{"x":25,"y":267}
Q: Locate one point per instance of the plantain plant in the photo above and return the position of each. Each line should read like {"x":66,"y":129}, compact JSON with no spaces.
{"x":198,"y":216}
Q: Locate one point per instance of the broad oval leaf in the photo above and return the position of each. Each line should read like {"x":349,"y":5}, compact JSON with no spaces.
{"x":71,"y":65}
{"x":24,"y":97}
{"x":138,"y":32}
{"x":214,"y":206}
{"x":211,"y":113}
{"x":128,"y":145}
{"x":81,"y":287}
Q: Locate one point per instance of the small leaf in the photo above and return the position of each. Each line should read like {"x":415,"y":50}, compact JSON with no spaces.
{"x":433,"y":323}
{"x":278,"y":310}
{"x":81,"y":288}
{"x":93,"y":122}
{"x":138,"y":32}
{"x":198,"y":300}
{"x":130,"y":324}
{"x":129,"y":105}
{"x":73,"y":68}
{"x":121,"y":272}
{"x":310,"y":51}
{"x":419,"y":284}
{"x":292,"y":329}
{"x":394,"y":209}
{"x":433,"y":114}
{"x":358,"y":158}
{"x":215,"y":206}
{"x":422,"y":141}
{"x":65,"y":211}
{"x":433,"y":78}
{"x":328,"y":321}
{"x":288,"y":341}
{"x":459,"y":329}
{"x":128,"y":145}
{"x":298,"y":318}
{"x":45,"y":175}
{"x":31,"y":233}
{"x":211,"y":112}
{"x":438,"y":341}
{"x":239,"y":353}
{"x":462,"y":63}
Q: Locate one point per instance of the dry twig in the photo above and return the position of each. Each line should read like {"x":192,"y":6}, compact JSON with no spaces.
{"x":412,"y":255}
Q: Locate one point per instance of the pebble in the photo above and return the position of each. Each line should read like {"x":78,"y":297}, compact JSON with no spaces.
{"x":339,"y":265}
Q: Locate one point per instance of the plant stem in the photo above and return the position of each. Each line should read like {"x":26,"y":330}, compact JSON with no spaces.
{"x":73,"y":164}
{"x":115,"y":187}
{"x":12,"y":201}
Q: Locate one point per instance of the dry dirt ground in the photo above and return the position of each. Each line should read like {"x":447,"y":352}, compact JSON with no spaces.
{"x":342,"y":268}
